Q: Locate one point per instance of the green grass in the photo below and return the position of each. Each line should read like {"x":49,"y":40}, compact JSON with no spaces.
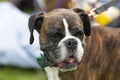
{"x":9,"y":73}
{"x":2,"y":0}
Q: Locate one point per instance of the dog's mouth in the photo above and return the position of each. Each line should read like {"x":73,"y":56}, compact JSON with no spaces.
{"x":69,"y":64}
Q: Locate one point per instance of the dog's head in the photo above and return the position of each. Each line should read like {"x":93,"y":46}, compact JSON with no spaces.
{"x":62,"y":33}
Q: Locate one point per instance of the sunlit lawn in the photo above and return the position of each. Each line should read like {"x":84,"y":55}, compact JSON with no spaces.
{"x":10,"y":73}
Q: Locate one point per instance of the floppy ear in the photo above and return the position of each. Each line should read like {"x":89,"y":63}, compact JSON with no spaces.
{"x":85,"y":19}
{"x":35,"y":22}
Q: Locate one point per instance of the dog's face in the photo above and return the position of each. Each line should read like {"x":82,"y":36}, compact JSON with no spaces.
{"x":62,"y":33}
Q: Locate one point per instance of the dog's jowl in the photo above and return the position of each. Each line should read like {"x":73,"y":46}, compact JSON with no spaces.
{"x":79,"y":51}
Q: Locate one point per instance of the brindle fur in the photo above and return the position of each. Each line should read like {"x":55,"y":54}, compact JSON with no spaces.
{"x":101,"y":60}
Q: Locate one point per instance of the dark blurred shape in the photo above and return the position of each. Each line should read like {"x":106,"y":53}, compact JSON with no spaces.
{"x":26,"y":5}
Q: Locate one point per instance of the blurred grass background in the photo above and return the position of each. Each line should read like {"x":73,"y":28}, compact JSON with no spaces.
{"x":13,"y":73}
{"x":2,"y":0}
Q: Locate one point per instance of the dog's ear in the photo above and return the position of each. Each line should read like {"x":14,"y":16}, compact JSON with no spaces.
{"x":35,"y":22}
{"x":85,"y":19}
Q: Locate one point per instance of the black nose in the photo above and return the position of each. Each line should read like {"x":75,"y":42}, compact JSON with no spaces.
{"x":71,"y":43}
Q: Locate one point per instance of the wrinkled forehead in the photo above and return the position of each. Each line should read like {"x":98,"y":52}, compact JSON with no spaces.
{"x":55,"y":20}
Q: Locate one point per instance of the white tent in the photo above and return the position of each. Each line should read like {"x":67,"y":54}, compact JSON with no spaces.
{"x":15,"y":49}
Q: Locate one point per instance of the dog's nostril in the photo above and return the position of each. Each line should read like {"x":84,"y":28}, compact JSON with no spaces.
{"x":71,"y":43}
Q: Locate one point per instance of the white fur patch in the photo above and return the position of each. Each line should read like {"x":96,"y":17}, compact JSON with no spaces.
{"x":67,"y":33}
{"x":52,"y":73}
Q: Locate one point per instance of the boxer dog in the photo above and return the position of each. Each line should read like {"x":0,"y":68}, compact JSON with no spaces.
{"x":81,"y":52}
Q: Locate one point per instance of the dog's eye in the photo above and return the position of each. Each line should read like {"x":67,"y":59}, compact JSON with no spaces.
{"x":56,"y":36}
{"x":78,"y":33}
